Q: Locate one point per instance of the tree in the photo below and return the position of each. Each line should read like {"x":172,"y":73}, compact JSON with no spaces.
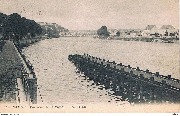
{"x":2,"y":19}
{"x":118,"y":34}
{"x":103,"y":32}
{"x":32,"y":27}
{"x":12,"y":26}
{"x":15,"y":26}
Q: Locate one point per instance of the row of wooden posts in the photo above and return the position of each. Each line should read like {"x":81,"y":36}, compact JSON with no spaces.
{"x":134,"y":87}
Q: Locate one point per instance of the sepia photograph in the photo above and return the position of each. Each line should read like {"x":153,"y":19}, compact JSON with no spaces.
{"x":89,"y":56}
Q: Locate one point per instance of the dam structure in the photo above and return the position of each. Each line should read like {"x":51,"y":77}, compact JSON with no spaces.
{"x":132,"y":84}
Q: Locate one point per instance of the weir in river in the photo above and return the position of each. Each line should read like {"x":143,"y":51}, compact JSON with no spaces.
{"x":132,"y":84}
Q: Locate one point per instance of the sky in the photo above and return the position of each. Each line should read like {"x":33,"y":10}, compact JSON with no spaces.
{"x":92,"y":14}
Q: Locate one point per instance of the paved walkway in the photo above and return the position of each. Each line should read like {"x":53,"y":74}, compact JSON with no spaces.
{"x":21,"y":96}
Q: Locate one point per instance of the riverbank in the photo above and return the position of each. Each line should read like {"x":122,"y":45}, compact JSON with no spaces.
{"x":27,"y":42}
{"x":143,"y":39}
{"x":11,"y":67}
{"x":159,"y":40}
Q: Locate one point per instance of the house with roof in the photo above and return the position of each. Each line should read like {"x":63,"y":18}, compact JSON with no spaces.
{"x":149,"y":30}
{"x":136,"y":33}
{"x":112,"y":32}
{"x":168,"y":31}
{"x":151,"y":27}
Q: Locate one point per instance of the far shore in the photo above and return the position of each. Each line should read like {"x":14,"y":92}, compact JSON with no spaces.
{"x":147,"y":39}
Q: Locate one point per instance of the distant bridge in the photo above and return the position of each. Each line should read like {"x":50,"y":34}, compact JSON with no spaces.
{"x":132,"y":84}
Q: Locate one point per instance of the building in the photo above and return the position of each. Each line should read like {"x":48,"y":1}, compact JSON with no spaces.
{"x":52,"y":29}
{"x":149,"y":31}
{"x":112,"y":32}
{"x":168,"y":31}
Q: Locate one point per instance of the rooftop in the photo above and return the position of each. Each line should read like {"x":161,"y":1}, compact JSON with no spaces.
{"x":149,"y":27}
{"x":167,"y":27}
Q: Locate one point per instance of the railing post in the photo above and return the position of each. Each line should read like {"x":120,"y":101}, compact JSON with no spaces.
{"x":32,"y":82}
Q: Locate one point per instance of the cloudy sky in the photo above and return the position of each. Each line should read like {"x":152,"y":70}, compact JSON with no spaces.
{"x":92,"y":14}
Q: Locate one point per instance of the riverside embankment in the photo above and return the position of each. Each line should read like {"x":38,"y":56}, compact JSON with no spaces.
{"x":10,"y":66}
{"x":18,"y":82}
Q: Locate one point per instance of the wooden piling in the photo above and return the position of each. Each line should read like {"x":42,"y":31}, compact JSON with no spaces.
{"x":131,"y":83}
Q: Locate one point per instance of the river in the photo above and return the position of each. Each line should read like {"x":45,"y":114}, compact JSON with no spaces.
{"x":58,"y":82}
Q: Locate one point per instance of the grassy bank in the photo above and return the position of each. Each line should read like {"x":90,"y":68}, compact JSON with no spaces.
{"x":2,"y":43}
{"x":26,"y":42}
{"x":10,"y":65}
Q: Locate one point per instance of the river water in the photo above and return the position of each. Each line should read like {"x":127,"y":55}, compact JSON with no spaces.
{"x":58,"y":82}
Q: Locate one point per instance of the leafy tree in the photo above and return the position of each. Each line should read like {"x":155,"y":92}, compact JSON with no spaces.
{"x":118,"y":34}
{"x":15,"y":26}
{"x":103,"y":32}
{"x":2,"y":18}
{"x":12,"y":26}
